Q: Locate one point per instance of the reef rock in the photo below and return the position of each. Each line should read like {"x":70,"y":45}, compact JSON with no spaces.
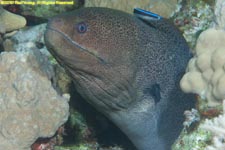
{"x":31,"y":39}
{"x":205,"y":74}
{"x":28,"y":38}
{"x":29,"y":106}
{"x":217,"y":127}
{"x":165,"y":8}
{"x":10,"y":21}
{"x":220,"y":14}
{"x":193,"y":18}
{"x":39,"y":12}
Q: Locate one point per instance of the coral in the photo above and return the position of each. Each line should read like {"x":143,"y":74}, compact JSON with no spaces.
{"x":77,"y":147}
{"x":28,"y":38}
{"x":10,"y":21}
{"x":164,"y":8}
{"x":29,"y":106}
{"x":208,"y":135}
{"x":195,"y":140}
{"x":220,"y":14}
{"x":63,"y":81}
{"x":194,"y":17}
{"x":31,"y":39}
{"x":86,"y":146}
{"x":191,"y":117}
{"x":79,"y":125}
{"x":205,"y":74}
{"x":217,"y":127}
{"x":49,"y":143}
{"x":192,"y":137}
{"x":46,"y":11}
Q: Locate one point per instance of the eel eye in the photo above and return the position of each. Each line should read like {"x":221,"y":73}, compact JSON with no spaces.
{"x":81,"y":27}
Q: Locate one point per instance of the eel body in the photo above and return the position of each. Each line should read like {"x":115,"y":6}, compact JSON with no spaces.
{"x":128,"y":67}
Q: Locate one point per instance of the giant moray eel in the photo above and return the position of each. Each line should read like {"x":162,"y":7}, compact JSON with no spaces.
{"x":126,"y":66}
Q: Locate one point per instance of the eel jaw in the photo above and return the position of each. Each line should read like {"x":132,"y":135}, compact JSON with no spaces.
{"x":93,"y":53}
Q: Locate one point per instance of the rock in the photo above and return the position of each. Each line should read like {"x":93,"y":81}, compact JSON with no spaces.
{"x":1,"y":44}
{"x":196,"y":140}
{"x":209,"y":134}
{"x":205,"y":76}
{"x":165,"y":8}
{"x":10,"y":21}
{"x":39,"y":12}
{"x":8,"y":45}
{"x":30,"y":107}
{"x":32,"y":38}
{"x":220,"y":14}
{"x":63,"y":81}
{"x":9,"y":34}
{"x":193,"y":18}
{"x":28,"y":39}
{"x":216,"y":127}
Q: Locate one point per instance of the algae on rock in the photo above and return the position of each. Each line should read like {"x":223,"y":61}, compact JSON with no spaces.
{"x":205,"y":72}
{"x":46,"y":11}
{"x":164,"y":8}
{"x":205,"y":76}
{"x":195,"y":140}
{"x":194,"y":17}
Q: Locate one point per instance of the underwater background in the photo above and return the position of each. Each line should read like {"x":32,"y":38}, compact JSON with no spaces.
{"x":41,"y":110}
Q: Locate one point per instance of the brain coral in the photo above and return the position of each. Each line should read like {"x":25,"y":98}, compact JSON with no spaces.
{"x":205,"y":74}
{"x":29,"y":106}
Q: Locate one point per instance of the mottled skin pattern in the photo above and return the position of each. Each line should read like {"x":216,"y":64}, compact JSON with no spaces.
{"x":127,"y":68}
